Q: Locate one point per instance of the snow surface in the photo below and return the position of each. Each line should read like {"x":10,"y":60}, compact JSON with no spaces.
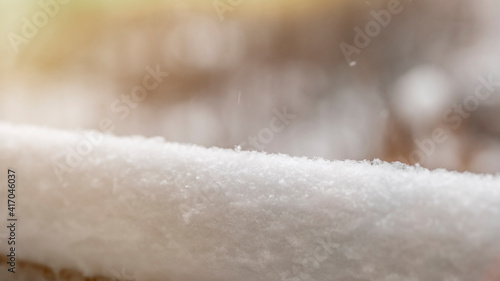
{"x":169,"y":211}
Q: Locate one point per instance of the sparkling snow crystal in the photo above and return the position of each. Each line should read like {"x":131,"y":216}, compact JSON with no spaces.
{"x":166,"y":211}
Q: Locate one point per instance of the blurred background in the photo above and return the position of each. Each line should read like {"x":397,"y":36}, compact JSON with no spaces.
{"x":236,"y":66}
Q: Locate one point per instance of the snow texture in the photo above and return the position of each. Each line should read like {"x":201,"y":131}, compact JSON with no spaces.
{"x":169,"y":211}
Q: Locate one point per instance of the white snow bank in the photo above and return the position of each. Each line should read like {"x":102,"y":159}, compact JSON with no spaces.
{"x":165,"y":211}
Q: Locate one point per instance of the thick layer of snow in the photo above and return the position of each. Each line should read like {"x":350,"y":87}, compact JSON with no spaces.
{"x":166,"y":211}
